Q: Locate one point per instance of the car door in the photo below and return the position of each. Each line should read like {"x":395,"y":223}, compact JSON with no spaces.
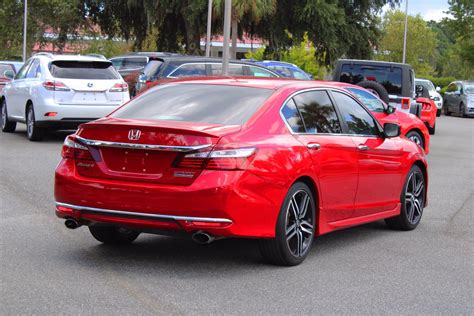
{"x":379,"y":159}
{"x":449,"y":95}
{"x":13,"y":96}
{"x":315,"y":123}
{"x":26,"y":90}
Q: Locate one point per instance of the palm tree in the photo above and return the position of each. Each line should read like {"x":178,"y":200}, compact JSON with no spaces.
{"x":253,"y":9}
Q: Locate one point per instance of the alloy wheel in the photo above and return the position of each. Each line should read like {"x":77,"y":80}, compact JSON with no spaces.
{"x":30,"y":121}
{"x":414,"y":197}
{"x":299,"y":228}
{"x":415,"y":139}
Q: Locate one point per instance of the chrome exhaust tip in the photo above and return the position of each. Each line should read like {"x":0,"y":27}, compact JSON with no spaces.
{"x":71,"y":223}
{"x":202,"y":238}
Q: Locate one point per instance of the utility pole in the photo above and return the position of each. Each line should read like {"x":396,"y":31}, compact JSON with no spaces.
{"x":209,"y":21}
{"x":24,"y":30}
{"x":225,"y":47}
{"x":405,"y":35}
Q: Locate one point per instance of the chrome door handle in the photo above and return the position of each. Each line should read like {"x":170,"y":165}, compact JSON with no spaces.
{"x":363,"y":147}
{"x":313,"y":146}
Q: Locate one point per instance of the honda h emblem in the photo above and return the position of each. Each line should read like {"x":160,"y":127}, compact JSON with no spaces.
{"x":90,"y":84}
{"x":134,"y":134}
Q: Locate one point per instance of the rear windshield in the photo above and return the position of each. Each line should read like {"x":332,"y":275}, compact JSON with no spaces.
{"x":68,"y":69}
{"x":202,"y":103}
{"x":389,"y":77}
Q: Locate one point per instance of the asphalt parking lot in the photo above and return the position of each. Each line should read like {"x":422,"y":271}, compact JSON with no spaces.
{"x":48,"y":269}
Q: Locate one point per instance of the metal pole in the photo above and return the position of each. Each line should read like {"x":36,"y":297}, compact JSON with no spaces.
{"x":225,"y":47}
{"x":405,"y":35}
{"x":209,"y":21}
{"x":24,"y":30}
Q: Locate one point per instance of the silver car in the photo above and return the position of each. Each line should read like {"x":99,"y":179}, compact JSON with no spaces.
{"x":61,"y":92}
{"x":459,"y":98}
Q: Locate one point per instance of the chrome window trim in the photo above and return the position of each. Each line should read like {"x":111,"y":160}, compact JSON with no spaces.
{"x":101,"y":143}
{"x":145,"y":215}
{"x":322,"y":134}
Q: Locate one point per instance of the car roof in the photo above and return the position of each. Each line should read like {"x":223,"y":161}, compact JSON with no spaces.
{"x":147,"y":54}
{"x":264,"y":83}
{"x":70,"y":57}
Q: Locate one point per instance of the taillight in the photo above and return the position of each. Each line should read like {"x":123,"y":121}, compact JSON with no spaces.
{"x":226,"y":159}
{"x":54,"y":85}
{"x":406,"y":103}
{"x":119,"y":87}
{"x":73,"y":150}
{"x":426,"y":106}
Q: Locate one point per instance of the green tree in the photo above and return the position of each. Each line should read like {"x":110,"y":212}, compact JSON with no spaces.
{"x":421,"y":42}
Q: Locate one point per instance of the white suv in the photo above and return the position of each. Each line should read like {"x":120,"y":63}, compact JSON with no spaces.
{"x":61,"y":92}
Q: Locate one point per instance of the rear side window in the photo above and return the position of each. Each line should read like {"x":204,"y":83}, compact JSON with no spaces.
{"x":260,"y":72}
{"x":201,"y":103}
{"x":67,"y":69}
{"x":389,"y":77}
{"x":234,"y":70}
{"x":293,"y":117}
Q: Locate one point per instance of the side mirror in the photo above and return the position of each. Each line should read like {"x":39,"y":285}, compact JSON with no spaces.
{"x":438,"y":89}
{"x":9,"y":74}
{"x":391,"y":130}
{"x":390,"y":109}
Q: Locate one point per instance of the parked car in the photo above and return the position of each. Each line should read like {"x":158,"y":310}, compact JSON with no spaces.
{"x":410,"y":125}
{"x":131,"y":65}
{"x":428,"y":113}
{"x":284,"y":69}
{"x":394,"y":83}
{"x":60,"y":92}
{"x":278,"y":160}
{"x":459,"y":98}
{"x":433,"y":93}
{"x":166,"y":68}
{"x":8,"y":70}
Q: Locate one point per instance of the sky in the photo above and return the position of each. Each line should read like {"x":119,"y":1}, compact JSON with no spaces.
{"x":428,"y":9}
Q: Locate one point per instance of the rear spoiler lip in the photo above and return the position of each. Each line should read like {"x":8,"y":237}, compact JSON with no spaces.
{"x":101,"y":143}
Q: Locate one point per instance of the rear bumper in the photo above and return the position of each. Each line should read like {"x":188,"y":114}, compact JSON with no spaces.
{"x":222,"y":203}
{"x":71,"y":112}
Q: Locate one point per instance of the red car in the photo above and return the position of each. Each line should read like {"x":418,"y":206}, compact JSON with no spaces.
{"x":410,"y":126}
{"x":278,"y":160}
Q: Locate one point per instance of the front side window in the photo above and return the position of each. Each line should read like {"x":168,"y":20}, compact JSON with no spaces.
{"x":200,"y":103}
{"x":318,"y":113}
{"x":358,"y":120}
{"x":189,"y":70}
{"x":71,"y":69}
{"x":387,"y":76}
{"x":33,"y":69}
{"x":234,"y":70}
{"x":368,"y":99}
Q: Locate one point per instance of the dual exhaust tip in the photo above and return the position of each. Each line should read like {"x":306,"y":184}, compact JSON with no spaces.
{"x":199,"y":237}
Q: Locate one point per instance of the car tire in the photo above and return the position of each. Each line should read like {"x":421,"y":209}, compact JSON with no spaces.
{"x":113,"y":235}
{"x":294,"y":230}
{"x":376,"y":88}
{"x":446,"y":110}
{"x":416,"y":137}
{"x":438,"y":113}
{"x":432,"y":130}
{"x":462,"y":110}
{"x":33,"y":132}
{"x":7,"y":125}
{"x":412,"y":200}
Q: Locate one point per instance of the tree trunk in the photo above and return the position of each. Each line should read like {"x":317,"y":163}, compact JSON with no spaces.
{"x":235,"y":25}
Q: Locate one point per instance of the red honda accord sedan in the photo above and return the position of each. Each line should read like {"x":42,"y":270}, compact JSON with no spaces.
{"x":278,"y":160}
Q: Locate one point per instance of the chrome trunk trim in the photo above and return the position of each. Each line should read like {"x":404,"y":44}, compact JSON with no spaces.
{"x":101,"y":143}
{"x":145,"y":215}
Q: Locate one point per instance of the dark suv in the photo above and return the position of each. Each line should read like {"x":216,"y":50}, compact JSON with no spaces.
{"x":171,"y":67}
{"x":394,"y":83}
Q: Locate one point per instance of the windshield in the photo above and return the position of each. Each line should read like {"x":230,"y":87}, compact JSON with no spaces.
{"x":469,"y":88}
{"x":428,"y":85}
{"x":68,"y":69}
{"x":203,"y":103}
{"x":368,"y":99}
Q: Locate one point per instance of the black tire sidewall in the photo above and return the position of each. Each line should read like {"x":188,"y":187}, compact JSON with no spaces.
{"x":281,"y":223}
